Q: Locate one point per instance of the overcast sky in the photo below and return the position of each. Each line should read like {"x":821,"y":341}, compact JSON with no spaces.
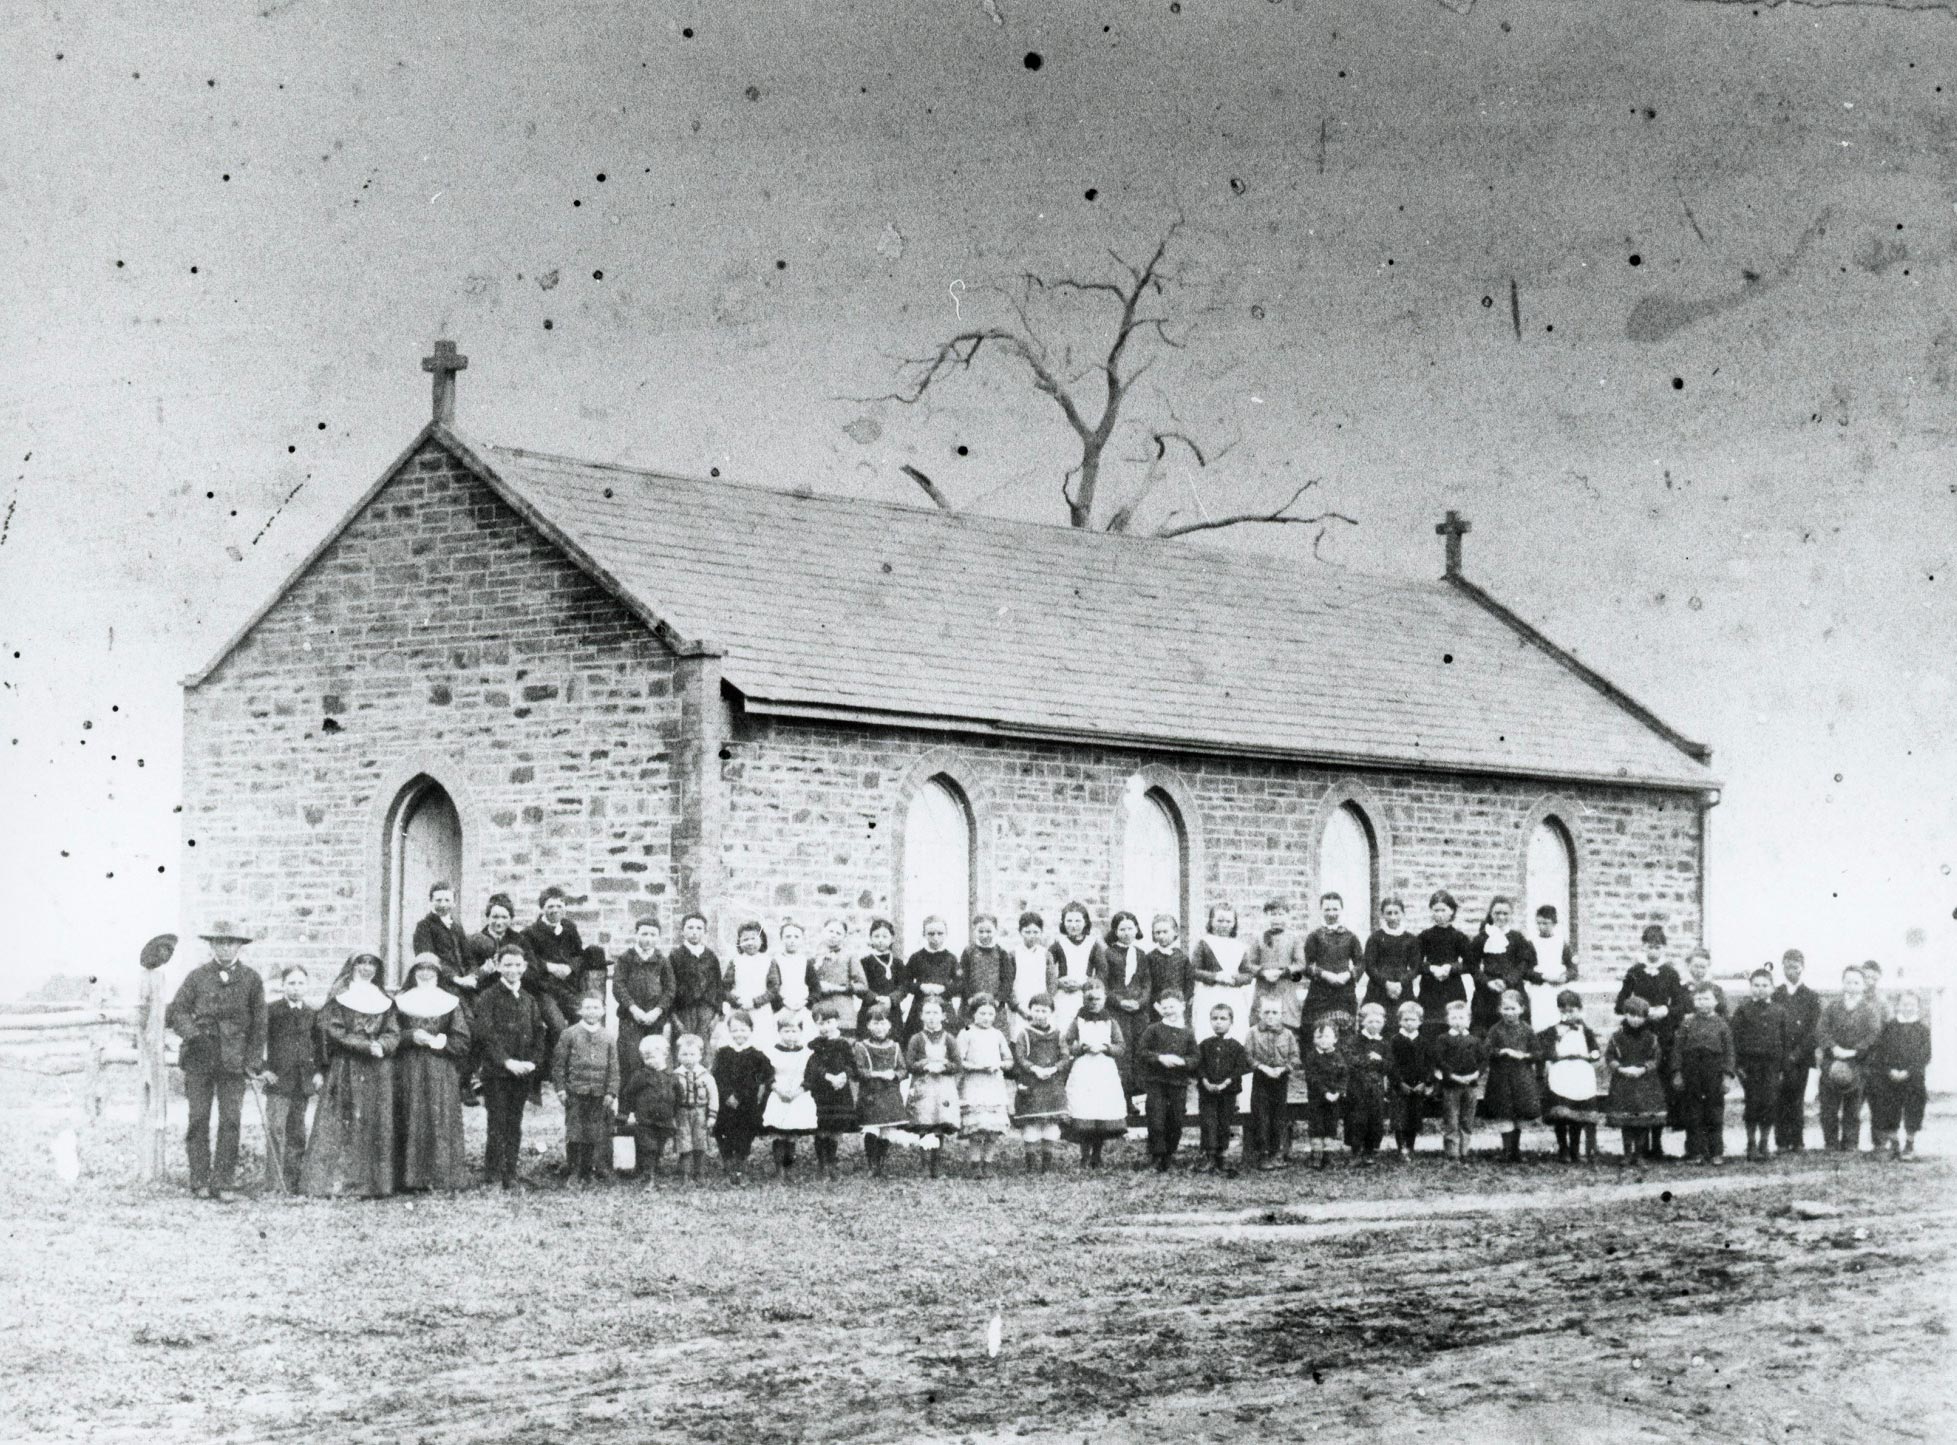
{"x":1705,"y":441}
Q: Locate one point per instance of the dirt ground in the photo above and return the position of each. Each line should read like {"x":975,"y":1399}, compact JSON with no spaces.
{"x":1487,"y":1302}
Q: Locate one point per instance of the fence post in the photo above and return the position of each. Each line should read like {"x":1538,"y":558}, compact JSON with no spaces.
{"x":153,"y":1115}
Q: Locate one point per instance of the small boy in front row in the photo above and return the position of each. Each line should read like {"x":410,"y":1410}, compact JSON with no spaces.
{"x":698,"y":1108}
{"x":1221,"y":1063}
{"x":1459,"y":1059}
{"x":1163,"y":1064}
{"x":1325,"y":1083}
{"x":1273,"y":1051}
{"x":650,"y":1104}
{"x":1897,"y":1064}
{"x":585,"y":1072}
{"x":1702,"y":1062}
{"x":1369,"y":1087}
{"x":1412,"y":1079}
{"x":744,"y":1077}
{"x":1762,"y":1040}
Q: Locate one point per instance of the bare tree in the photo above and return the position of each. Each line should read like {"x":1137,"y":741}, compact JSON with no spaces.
{"x":1096,"y":398}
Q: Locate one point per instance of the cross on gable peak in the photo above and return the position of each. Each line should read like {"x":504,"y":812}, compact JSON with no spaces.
{"x":444,"y":364}
{"x":1454,"y":529}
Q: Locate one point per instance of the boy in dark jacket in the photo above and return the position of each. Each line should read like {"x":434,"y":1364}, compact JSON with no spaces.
{"x":650,"y":1104}
{"x":1849,"y":1028}
{"x":1761,"y":1042}
{"x":1412,"y":1080}
{"x":1803,"y":1008}
{"x":1221,"y":1063}
{"x":1457,"y":1060}
{"x":1702,"y":1061}
{"x":293,"y":1070}
{"x":1895,"y":1072}
{"x":1164,"y":1061}
{"x":1325,"y":1082}
{"x":1274,"y":1057}
{"x":509,"y":1034}
{"x":743,"y":1075}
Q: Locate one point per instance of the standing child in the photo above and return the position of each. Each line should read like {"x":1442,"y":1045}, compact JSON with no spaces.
{"x":880,"y":1069}
{"x":1128,"y":990}
{"x":830,"y":1075}
{"x":1169,"y":968}
{"x":1334,"y":959}
{"x":1097,"y":1102}
{"x":882,"y":974}
{"x":1512,"y":1098}
{"x":1163,"y":1065}
{"x":1028,"y":973}
{"x":1274,"y":1058}
{"x":835,"y":977}
{"x":1803,"y":1006}
{"x":790,"y":1113}
{"x":1657,"y":983}
{"x":642,"y":986}
{"x":746,"y":983}
{"x":1413,"y":1084}
{"x":1897,"y":1064}
{"x":650,"y":1104}
{"x":932,"y":1057}
{"x":1459,"y":1060}
{"x":698,"y":1107}
{"x":1570,"y":1055}
{"x":1039,"y":1058}
{"x":1371,"y":1057}
{"x":984,"y":1095}
{"x":509,"y":1034}
{"x":584,"y":1069}
{"x":293,"y":1073}
{"x":1702,"y":1062}
{"x":745,"y":1079}
{"x":988,"y":967}
{"x":698,"y":986}
{"x":1217,"y":967}
{"x":1392,"y":956}
{"x":788,"y":976}
{"x":931,"y":973}
{"x":1849,"y":1029}
{"x":1075,"y":957}
{"x":1222,"y":1063}
{"x":1636,"y":1104}
{"x":1502,"y":962}
{"x":1443,"y":977}
{"x":1761,"y":1041}
{"x":1698,"y":975}
{"x":1326,"y":1079}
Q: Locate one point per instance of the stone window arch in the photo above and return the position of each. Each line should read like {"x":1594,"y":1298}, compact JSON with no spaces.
{"x":423,"y":826}
{"x":1551,"y":866}
{"x":1156,"y":853}
{"x":941,"y":862}
{"x":1351,"y":853}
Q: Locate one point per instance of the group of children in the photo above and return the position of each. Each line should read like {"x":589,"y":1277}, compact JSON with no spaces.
{"x":1078,"y":1036}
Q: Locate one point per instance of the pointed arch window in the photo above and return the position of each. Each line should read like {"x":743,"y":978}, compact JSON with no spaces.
{"x":940,"y":862}
{"x":1155,"y":858}
{"x":1348,"y":865}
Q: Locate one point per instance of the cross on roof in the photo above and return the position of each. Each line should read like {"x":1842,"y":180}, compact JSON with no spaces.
{"x":444,"y":364}
{"x":1454,"y":529}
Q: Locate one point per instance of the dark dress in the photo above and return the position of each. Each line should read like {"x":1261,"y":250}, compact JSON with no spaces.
{"x":1040,"y":1101}
{"x":744,"y":1077}
{"x":1128,"y":984}
{"x":1635,"y":1103}
{"x":883,"y":977}
{"x":1392,"y":960}
{"x":990,"y":970}
{"x":646,"y":983}
{"x":1570,"y":1055}
{"x":1512,"y":1096}
{"x":835,"y":1104}
{"x":1511,"y":970}
{"x":880,"y":1104}
{"x":1434,"y":995}
{"x":1326,"y":1073}
{"x":1334,"y":959}
{"x":931,"y":966}
{"x":1367,"y":1082}
{"x":427,"y":1094}
{"x":352,"y":1148}
{"x":1171,"y":972}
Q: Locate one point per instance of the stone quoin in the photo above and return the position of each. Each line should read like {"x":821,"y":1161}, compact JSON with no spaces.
{"x":663,"y":693}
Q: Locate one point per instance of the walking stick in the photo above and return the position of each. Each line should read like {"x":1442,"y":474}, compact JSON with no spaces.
{"x":274,"y":1148}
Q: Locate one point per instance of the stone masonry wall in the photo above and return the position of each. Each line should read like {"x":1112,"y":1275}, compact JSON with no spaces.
{"x":816,"y":818}
{"x":441,"y":634}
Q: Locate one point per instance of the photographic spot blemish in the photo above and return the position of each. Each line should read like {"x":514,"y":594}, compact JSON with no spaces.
{"x":193,"y":270}
{"x":575,"y":203}
{"x":713,"y":471}
{"x":608,"y":493}
{"x":118,"y":265}
{"x":1447,"y":657}
{"x":963,"y":450}
{"x":1666,"y":1196}
{"x":330,"y":725}
{"x":1389,"y":260}
{"x":601,"y":178}
{"x":1636,"y":259}
{"x":212,"y":84}
{"x":1487,"y":302}
{"x":597,"y":275}
{"x":1257,"y":313}
{"x":322,"y":426}
{"x":210,"y":496}
{"x":227,"y":175}
{"x":548,"y":323}
{"x":1650,"y":114}
{"x":753,"y":92}
{"x":1341,"y":75}
{"x":290,"y":450}
{"x":687,"y":33}
{"x":1034,"y":60}
{"x":1678,"y":383}
{"x":781,"y":265}
{"x":159,"y":867}
{"x":1090,"y":193}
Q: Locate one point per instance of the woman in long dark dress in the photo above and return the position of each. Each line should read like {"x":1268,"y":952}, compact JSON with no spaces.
{"x":428,"y":1065}
{"x":352,"y":1148}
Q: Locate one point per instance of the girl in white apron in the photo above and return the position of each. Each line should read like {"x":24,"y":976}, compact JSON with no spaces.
{"x":788,"y":975}
{"x":747,"y":983}
{"x":1218,"y":965}
{"x":1097,"y":1104}
{"x":1029,"y":971}
{"x":1075,"y":957}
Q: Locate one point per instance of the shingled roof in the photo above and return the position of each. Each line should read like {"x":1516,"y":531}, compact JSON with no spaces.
{"x":834,"y":606}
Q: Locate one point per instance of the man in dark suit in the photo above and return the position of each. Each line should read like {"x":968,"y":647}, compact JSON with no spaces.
{"x":509,"y":1034}
{"x":557,"y":962}
{"x":1802,"y":1005}
{"x":219,"y":1014}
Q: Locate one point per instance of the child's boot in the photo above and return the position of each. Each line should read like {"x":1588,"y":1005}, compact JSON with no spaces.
{"x":931,"y":1162}
{"x":1032,"y":1159}
{"x":1909,"y":1146}
{"x":1046,"y":1157}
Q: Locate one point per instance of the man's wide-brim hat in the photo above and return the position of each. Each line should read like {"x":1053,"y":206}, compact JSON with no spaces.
{"x":225,"y":931}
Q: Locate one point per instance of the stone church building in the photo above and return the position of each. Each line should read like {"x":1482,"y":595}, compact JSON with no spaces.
{"x":509,"y":670}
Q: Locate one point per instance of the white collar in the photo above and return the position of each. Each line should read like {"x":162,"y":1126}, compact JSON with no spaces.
{"x":426,"y":1001}
{"x":363,"y":998}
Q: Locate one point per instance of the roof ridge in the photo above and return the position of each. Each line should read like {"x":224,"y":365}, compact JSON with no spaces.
{"x":1333,"y":573}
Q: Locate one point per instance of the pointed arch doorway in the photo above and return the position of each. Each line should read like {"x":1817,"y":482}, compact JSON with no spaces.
{"x":422,"y":847}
